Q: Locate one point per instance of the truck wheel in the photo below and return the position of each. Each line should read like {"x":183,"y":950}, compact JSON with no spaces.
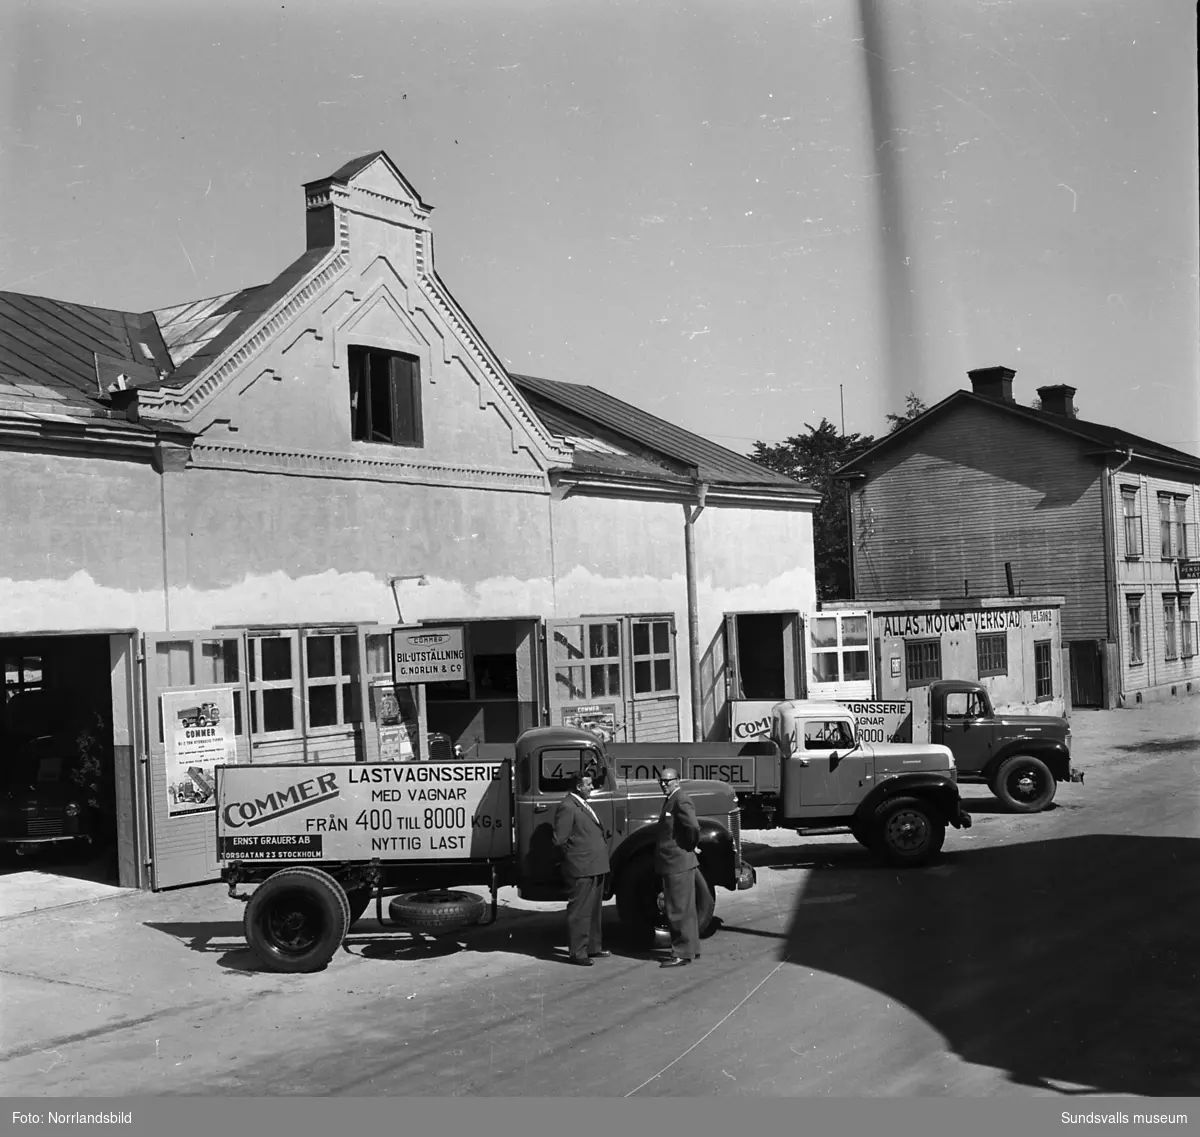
{"x":438,"y":910}
{"x":1024,"y":784}
{"x":639,"y":893}
{"x":907,"y":832}
{"x":358,"y":900}
{"x":296,"y":920}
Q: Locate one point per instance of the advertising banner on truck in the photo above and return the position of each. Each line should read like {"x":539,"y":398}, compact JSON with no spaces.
{"x":877,"y":721}
{"x":352,"y":811}
{"x":198,"y":735}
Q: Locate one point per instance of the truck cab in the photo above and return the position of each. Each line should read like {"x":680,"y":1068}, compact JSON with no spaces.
{"x":546,"y":760}
{"x":1021,"y":758}
{"x":896,"y":798}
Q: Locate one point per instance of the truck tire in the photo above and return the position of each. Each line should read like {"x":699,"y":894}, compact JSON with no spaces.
{"x":908,"y":832}
{"x":1024,"y":784}
{"x":438,"y":910}
{"x":296,"y":920}
{"x":358,"y":900}
{"x":638,"y":894}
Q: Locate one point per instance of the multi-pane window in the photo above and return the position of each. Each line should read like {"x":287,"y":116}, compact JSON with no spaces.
{"x":272,"y":670}
{"x":1043,"y":669}
{"x":178,"y":664}
{"x":331,"y":679}
{"x":587,"y":661}
{"x":385,"y":397}
{"x":1170,"y":630}
{"x":991,"y":654}
{"x":1165,"y":508}
{"x":21,"y":673}
{"x":1187,"y":627}
{"x":653,"y":657}
{"x":839,"y":642}
{"x":1183,"y":545}
{"x":1133,"y":522}
{"x":923,"y":661}
{"x":1133,"y":605}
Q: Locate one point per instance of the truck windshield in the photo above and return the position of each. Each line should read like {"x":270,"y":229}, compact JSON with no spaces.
{"x":827,"y":735}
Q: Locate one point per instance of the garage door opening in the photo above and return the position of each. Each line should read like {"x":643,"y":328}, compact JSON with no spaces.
{"x":57,"y":784}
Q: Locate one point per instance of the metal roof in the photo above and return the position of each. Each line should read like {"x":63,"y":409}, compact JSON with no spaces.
{"x":1108,"y":438}
{"x":678,"y":451}
{"x":49,"y":351}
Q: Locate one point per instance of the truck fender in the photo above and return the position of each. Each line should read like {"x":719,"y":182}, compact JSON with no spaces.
{"x":715,"y":853}
{"x":1056,"y":756}
{"x":937,"y":789}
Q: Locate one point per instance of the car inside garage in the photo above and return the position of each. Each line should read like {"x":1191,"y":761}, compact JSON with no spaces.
{"x":57,"y":787}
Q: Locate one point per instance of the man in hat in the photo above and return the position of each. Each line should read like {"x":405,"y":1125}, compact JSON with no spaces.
{"x":583,"y":851}
{"x":675,"y":861}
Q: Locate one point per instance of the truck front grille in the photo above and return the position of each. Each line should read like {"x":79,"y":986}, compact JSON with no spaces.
{"x":45,"y":827}
{"x":735,"y":829}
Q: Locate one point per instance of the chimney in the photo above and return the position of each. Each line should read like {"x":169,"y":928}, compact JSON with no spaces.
{"x":1058,"y":400}
{"x":319,"y":222}
{"x":993,"y":383}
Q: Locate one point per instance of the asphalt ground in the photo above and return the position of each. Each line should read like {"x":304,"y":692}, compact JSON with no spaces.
{"x":1053,"y":954}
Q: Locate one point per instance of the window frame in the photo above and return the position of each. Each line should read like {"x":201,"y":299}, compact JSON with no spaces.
{"x":991,"y":668}
{"x":652,"y":657}
{"x":403,"y":383}
{"x":1130,"y":496}
{"x":1170,"y":625}
{"x":1133,"y":612}
{"x":922,"y":680}
{"x":1046,"y":647}
{"x":1187,"y":627}
{"x":339,"y":680}
{"x":256,"y":684}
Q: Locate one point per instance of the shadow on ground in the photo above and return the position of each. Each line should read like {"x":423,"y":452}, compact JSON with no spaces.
{"x":1063,"y":961}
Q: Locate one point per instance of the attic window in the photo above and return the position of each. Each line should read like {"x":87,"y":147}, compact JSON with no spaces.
{"x":385,"y":397}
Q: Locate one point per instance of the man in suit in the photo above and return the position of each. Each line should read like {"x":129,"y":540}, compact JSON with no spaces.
{"x":675,"y":861}
{"x":582,"y":848}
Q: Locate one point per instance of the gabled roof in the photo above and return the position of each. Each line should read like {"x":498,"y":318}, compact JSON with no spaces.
{"x":197,"y":333}
{"x":658,"y":447}
{"x":1107,"y":439}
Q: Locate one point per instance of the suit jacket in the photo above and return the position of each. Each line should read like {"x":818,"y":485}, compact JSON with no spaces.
{"x":579,"y":840}
{"x":676,"y":836}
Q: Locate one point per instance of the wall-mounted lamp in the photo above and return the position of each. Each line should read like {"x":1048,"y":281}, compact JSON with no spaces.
{"x":418,"y":578}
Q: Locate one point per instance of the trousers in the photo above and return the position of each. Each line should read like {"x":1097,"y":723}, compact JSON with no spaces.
{"x":584,"y":899}
{"x":679,"y":901}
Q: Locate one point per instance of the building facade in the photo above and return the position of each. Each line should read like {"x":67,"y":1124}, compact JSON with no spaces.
{"x":980,"y":496}
{"x":240,"y":498}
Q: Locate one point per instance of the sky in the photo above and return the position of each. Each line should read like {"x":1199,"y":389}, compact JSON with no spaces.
{"x":740,"y":216}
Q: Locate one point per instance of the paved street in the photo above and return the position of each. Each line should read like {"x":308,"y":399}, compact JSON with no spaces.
{"x":1046,"y":954}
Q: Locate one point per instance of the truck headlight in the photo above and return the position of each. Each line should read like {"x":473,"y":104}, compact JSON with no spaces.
{"x":72,"y":809}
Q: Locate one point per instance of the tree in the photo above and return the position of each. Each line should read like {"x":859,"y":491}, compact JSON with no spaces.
{"x":813,"y":457}
{"x":914,"y":407}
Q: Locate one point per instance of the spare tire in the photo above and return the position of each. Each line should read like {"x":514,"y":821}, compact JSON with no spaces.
{"x":296,"y":920}
{"x":437,"y":910}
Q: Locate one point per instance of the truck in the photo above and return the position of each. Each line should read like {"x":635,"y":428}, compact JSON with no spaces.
{"x":1020,"y":758}
{"x":817,"y":771}
{"x":320,"y":841}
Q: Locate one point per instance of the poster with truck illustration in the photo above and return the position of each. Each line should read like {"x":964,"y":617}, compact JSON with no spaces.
{"x":198,"y":733}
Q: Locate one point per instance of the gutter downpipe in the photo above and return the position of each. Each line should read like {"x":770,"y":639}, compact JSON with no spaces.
{"x":1110,"y":572}
{"x":693,"y":605}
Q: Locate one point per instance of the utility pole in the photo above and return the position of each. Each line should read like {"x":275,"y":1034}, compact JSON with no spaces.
{"x":842,"y":400}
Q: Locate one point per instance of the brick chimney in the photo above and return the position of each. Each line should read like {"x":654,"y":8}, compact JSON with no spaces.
{"x":1058,"y":400}
{"x":993,"y":383}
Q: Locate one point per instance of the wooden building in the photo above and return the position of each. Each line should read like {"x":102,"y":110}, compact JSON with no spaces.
{"x":981,"y":496}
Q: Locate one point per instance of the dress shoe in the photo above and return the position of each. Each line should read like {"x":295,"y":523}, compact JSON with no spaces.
{"x":601,"y":954}
{"x":675,"y":961}
{"x":581,"y":962}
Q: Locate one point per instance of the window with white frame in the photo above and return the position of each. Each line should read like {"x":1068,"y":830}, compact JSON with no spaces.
{"x":1184,"y":539}
{"x":1170,"y":630}
{"x":1133,"y":606}
{"x":331,"y":679}
{"x":272,"y":663}
{"x":1133,"y":522}
{"x":839,"y":646}
{"x":653,"y":652}
{"x":1175,"y":531}
{"x":1187,"y":627}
